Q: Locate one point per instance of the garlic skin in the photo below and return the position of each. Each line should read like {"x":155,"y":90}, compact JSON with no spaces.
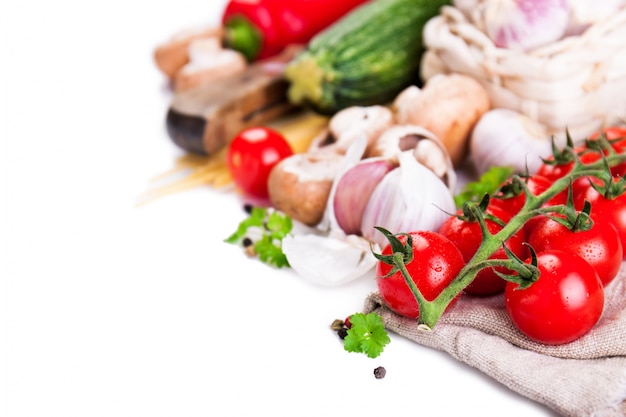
{"x":505,"y":137}
{"x":354,"y":189}
{"x":329,"y":260}
{"x":409,"y":198}
{"x":524,"y":24}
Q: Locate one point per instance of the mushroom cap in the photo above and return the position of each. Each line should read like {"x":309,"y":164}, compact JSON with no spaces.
{"x":300,"y":185}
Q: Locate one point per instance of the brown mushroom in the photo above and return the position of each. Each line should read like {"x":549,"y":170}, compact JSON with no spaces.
{"x":300,"y":185}
{"x":449,"y":105}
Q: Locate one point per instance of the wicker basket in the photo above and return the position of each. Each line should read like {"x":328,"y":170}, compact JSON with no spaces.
{"x":578,"y":83}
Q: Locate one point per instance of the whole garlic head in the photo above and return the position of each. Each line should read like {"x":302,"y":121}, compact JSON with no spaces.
{"x":524,"y":24}
{"x":424,"y":145}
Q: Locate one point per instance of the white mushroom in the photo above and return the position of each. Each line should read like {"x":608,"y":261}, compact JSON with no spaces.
{"x":172,"y":55}
{"x":352,"y":123}
{"x":208,"y":62}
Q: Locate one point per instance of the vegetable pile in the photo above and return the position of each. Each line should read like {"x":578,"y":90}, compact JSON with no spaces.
{"x":427,"y":181}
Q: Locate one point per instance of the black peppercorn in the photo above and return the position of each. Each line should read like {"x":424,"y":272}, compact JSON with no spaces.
{"x":380,"y":372}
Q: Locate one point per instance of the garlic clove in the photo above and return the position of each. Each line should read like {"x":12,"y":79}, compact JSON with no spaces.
{"x":328,"y":260}
{"x":352,"y":156}
{"x":407,"y":199}
{"x":354,"y":189}
{"x":424,"y":145}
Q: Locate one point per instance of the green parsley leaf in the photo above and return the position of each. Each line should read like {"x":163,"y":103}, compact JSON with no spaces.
{"x":366,"y":335}
{"x":488,"y":183}
{"x":266,"y":228}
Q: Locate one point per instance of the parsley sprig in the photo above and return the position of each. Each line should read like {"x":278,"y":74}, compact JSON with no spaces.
{"x":367,"y":335}
{"x":264,"y":230}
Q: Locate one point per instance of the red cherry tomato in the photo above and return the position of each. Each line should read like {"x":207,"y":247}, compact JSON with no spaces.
{"x":600,"y":246}
{"x":436,"y":262}
{"x":612,"y":210}
{"x":562,"y":305}
{"x":251,"y":156}
{"x":555,"y":171}
{"x":467,"y":236}
{"x":613,"y":134}
{"x":537,"y":184}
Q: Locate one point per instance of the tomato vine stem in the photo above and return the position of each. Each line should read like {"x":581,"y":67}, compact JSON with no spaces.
{"x":534,"y":205}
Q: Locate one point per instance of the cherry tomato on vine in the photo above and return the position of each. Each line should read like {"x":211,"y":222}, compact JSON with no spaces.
{"x":554,"y":172}
{"x":251,"y":156}
{"x":601,"y":245}
{"x":537,"y":184}
{"x":562,"y":305}
{"x":612,"y":210}
{"x":467,"y":236}
{"x":613,"y":134}
{"x":436,"y":262}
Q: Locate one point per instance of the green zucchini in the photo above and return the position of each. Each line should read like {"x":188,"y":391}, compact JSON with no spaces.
{"x":365,"y":58}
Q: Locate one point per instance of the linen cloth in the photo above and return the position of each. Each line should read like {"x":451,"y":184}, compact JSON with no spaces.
{"x":584,"y":378}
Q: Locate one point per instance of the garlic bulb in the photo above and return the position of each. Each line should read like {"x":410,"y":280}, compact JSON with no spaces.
{"x":354,"y":189}
{"x":425,"y":146}
{"x":409,"y":198}
{"x":524,"y":24}
{"x":506,"y":138}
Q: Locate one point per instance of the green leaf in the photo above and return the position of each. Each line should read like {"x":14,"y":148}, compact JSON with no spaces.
{"x":367,"y":335}
{"x":488,"y":183}
{"x":273,"y":226}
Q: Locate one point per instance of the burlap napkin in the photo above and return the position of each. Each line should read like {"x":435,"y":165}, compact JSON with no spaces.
{"x":584,"y":378}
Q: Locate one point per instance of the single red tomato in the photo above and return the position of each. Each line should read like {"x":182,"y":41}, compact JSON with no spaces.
{"x":467,"y":236}
{"x":612,"y":210}
{"x":562,"y":305}
{"x":601,"y":245}
{"x":251,"y":156}
{"x":436,"y":262}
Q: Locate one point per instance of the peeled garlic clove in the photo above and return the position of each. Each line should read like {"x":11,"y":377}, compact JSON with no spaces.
{"x":354,"y":189}
{"x":328,"y":260}
{"x":409,"y":198}
{"x":504,"y":137}
{"x":525,"y":24}
{"x":423,"y":144}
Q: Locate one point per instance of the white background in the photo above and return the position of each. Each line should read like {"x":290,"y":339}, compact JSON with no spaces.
{"x":109,"y":309}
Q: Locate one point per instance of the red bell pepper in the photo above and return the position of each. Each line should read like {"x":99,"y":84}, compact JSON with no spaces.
{"x":262,"y":28}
